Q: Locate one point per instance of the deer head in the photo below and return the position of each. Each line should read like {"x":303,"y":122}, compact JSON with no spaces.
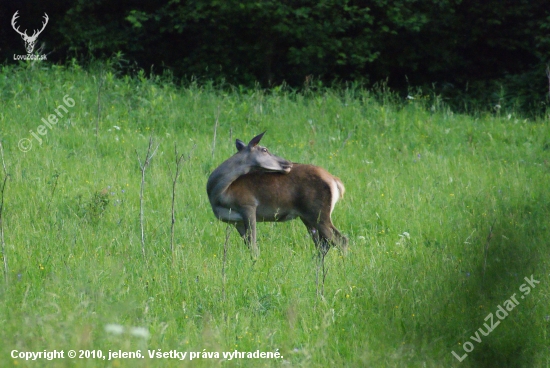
{"x":258,"y":158}
{"x":30,"y":41}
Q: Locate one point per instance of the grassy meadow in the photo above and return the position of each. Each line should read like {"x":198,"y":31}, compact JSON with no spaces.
{"x":446,"y":215}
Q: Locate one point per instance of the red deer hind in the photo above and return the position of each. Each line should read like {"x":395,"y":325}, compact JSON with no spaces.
{"x":256,"y":186}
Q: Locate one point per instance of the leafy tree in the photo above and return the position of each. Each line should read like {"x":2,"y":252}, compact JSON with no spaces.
{"x":463,"y":48}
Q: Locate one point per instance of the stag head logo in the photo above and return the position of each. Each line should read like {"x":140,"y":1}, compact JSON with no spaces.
{"x":30,"y":41}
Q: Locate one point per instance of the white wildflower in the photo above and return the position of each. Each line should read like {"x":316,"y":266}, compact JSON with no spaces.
{"x":114,"y":329}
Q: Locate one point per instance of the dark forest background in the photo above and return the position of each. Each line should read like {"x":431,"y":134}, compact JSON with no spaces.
{"x":469,"y":52}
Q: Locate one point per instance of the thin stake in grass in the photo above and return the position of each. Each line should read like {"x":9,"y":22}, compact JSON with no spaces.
{"x":2,"y":191}
{"x":350,"y":134}
{"x":321,"y":266}
{"x":179,"y":161}
{"x":99,"y":86}
{"x":56,"y":178}
{"x":215,"y":131}
{"x":227,"y":233}
{"x":489,"y":237}
{"x":142,"y":166}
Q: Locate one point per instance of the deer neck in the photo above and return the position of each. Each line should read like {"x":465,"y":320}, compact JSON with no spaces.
{"x":225,"y":175}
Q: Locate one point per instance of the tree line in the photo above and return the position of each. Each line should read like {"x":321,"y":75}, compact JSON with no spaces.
{"x":495,"y":51}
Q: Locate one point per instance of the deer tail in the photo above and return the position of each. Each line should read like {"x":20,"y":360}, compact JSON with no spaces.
{"x":340,"y":186}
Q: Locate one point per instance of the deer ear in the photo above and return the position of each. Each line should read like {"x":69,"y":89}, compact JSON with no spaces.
{"x":254,"y":141}
{"x":240,"y":145}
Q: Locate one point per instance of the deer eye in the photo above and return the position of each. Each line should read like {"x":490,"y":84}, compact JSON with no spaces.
{"x":264,"y":150}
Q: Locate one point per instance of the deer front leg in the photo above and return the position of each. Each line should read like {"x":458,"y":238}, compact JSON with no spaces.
{"x":242,"y":231}
{"x":249,"y":224}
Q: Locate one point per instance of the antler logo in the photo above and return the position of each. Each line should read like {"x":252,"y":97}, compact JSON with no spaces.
{"x":30,"y":41}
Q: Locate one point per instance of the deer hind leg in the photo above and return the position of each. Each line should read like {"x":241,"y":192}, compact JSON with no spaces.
{"x":322,"y":237}
{"x":339,"y":239}
{"x":325,"y":235}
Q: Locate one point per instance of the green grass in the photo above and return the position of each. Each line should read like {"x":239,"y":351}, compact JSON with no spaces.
{"x":71,"y":224}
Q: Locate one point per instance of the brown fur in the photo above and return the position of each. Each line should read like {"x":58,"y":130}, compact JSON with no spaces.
{"x":254,"y":185}
{"x":304,"y":192}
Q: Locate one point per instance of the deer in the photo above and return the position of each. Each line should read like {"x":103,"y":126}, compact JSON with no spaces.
{"x":30,"y":41}
{"x":254,"y":186}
